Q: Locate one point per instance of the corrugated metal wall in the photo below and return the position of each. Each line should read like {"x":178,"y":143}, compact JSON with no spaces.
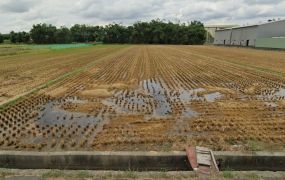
{"x":222,"y":37}
{"x":278,"y":43}
{"x":244,"y":36}
{"x":256,"y":36}
{"x":273,"y":29}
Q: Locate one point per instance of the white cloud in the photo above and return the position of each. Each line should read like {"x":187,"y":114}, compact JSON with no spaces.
{"x":20,"y":15}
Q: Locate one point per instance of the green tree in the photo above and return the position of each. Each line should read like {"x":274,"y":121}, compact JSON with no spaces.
{"x":116,"y":33}
{"x":26,"y":38}
{"x":98,"y":33}
{"x":83,"y":33}
{"x":1,"y":38}
{"x":13,"y":37}
{"x":43,"y":34}
{"x":20,"y":37}
{"x":63,"y":36}
{"x":197,"y":33}
{"x":153,"y":32}
{"x":76,"y":32}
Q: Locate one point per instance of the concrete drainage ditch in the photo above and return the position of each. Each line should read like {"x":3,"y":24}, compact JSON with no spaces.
{"x":139,"y":161}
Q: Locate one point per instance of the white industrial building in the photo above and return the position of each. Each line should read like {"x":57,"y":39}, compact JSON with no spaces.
{"x":267,"y":35}
{"x":211,"y":30}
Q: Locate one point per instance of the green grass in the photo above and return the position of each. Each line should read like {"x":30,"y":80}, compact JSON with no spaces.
{"x":167,"y":147}
{"x":78,"y":175}
{"x":10,"y":50}
{"x":130,"y":174}
{"x":83,"y":175}
{"x":13,"y":102}
{"x":71,"y":46}
{"x":53,"y":173}
{"x":231,"y":141}
{"x":228,"y":174}
{"x":60,"y":46}
{"x":255,"y":145}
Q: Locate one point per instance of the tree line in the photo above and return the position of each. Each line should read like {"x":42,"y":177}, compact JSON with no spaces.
{"x":1,"y":38}
{"x":153,"y":32}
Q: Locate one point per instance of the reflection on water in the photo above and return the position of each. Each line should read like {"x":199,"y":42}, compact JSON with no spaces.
{"x":155,"y":99}
{"x":272,"y":95}
{"x":280,"y":93}
{"x":213,"y":96}
{"x":151,"y":99}
{"x":52,"y":114}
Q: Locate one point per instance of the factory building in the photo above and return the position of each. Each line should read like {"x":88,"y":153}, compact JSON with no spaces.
{"x":267,"y":35}
{"x":211,"y":30}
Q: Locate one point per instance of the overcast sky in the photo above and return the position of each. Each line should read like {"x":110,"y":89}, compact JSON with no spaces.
{"x":20,"y":15}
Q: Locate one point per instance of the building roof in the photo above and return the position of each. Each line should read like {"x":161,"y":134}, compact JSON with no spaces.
{"x":220,"y":26}
{"x":253,"y":25}
{"x":240,"y":27}
{"x":272,"y":22}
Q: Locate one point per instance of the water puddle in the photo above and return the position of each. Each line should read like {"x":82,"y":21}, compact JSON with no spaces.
{"x":154,"y":99}
{"x":190,"y":95}
{"x":213,"y":96}
{"x":189,"y":113}
{"x":273,"y":95}
{"x":52,"y":114}
{"x":75,"y":100}
{"x":280,"y":93}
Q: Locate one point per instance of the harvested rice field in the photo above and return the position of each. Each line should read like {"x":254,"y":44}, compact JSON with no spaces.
{"x":144,"y":97}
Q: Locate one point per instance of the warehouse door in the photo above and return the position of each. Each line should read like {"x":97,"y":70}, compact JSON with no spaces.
{"x":247,"y":42}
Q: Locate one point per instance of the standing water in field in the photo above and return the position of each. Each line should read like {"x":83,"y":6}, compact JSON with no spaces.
{"x":53,"y":114}
{"x":280,"y":92}
{"x":213,"y":96}
{"x":153,"y":98}
{"x":162,"y":105}
{"x":272,"y":95}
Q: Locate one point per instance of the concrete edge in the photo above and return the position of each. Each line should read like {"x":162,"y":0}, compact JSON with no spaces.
{"x":141,"y":161}
{"x":102,"y":153}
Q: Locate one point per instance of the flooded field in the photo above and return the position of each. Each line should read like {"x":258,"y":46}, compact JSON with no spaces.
{"x":153,"y":98}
